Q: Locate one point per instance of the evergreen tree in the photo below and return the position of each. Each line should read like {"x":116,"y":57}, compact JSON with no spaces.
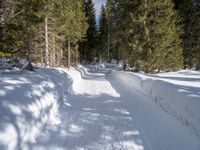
{"x":103,"y":33}
{"x":20,"y":26}
{"x":120,"y":23}
{"x":190,"y":10}
{"x":158,"y":41}
{"x":144,"y":33}
{"x":6,"y":7}
{"x":147,"y":34}
{"x":109,"y":20}
{"x":39,"y":30}
{"x":74,"y":26}
{"x":89,"y":46}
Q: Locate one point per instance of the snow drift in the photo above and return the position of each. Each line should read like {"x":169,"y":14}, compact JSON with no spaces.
{"x":178,"y":95}
{"x":28,"y":100}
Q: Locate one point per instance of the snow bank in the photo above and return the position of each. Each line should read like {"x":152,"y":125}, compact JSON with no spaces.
{"x":82,"y":75}
{"x":178,"y":93}
{"x":90,"y":69}
{"x":11,"y":63}
{"x":28,"y":101}
{"x":115,"y":66}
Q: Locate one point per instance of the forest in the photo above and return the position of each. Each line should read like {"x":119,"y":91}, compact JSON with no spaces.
{"x":154,"y":36}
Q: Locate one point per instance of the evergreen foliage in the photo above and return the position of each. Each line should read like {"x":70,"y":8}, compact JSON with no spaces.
{"x":190,"y":12}
{"x":103,"y":33}
{"x":157,"y":41}
{"x":149,"y":35}
{"x":39,"y":30}
{"x":90,"y":45}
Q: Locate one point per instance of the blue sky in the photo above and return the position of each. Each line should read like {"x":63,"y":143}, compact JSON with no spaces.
{"x":98,"y":4}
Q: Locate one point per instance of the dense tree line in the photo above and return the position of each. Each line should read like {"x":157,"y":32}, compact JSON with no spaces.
{"x":146,"y":34}
{"x":190,"y":14}
{"x":149,"y":35}
{"x":152,"y":35}
{"x":42,"y":30}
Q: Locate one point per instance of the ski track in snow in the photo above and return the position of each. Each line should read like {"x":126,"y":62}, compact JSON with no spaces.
{"x":102,"y":113}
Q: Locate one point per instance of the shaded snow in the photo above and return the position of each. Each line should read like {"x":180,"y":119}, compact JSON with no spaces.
{"x":28,"y":101}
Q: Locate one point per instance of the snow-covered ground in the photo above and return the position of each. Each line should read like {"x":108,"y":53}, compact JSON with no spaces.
{"x":177,"y":93}
{"x":100,"y":109}
{"x":28,"y":102}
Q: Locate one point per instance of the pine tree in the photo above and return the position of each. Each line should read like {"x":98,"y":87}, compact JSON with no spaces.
{"x":20,"y":26}
{"x":119,"y":28}
{"x":6,"y":7}
{"x":190,"y":10}
{"x":74,"y":26}
{"x":146,"y":34}
{"x":89,"y":45}
{"x":103,"y":33}
{"x":156,"y":36}
{"x":39,"y":31}
{"x":2,"y":12}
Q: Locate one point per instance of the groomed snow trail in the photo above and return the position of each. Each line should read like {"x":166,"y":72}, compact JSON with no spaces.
{"x":102,"y":113}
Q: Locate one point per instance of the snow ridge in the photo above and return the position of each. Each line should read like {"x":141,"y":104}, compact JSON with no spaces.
{"x":170,"y":96}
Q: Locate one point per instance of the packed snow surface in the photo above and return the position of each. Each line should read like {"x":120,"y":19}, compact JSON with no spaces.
{"x":96,"y":108}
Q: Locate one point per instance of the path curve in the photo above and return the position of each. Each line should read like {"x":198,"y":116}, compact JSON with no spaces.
{"x":101,"y":112}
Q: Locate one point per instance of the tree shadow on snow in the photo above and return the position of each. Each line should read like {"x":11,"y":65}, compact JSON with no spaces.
{"x":24,"y":105}
{"x":92,"y":122}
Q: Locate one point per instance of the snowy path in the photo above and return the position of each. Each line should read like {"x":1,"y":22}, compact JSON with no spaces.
{"x":102,"y":113}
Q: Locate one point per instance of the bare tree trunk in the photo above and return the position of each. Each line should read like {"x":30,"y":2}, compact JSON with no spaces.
{"x":69,"y":54}
{"x":61,"y":56}
{"x":108,"y":38}
{"x":145,"y":22}
{"x":42,"y":57}
{"x":108,"y":27}
{"x":29,"y":50}
{"x":2,"y":19}
{"x":108,"y":45}
{"x":54,"y":51}
{"x":76,"y":55}
{"x":46,"y":43}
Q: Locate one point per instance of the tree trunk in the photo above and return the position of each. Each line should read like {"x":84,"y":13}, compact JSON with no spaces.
{"x":54,"y":51}
{"x":29,"y":50}
{"x":46,"y":43}
{"x":108,"y":44}
{"x":77,"y":55}
{"x":2,"y":19}
{"x":69,"y":54}
{"x":61,"y":56}
{"x":42,"y":56}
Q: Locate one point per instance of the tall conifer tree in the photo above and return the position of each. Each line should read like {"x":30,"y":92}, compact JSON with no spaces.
{"x":158,"y":36}
{"x":147,"y":34}
{"x":103,"y":33}
{"x":89,"y":46}
{"x":190,"y":12}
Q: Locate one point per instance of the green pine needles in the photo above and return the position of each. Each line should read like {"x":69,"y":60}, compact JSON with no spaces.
{"x":150,"y":35}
